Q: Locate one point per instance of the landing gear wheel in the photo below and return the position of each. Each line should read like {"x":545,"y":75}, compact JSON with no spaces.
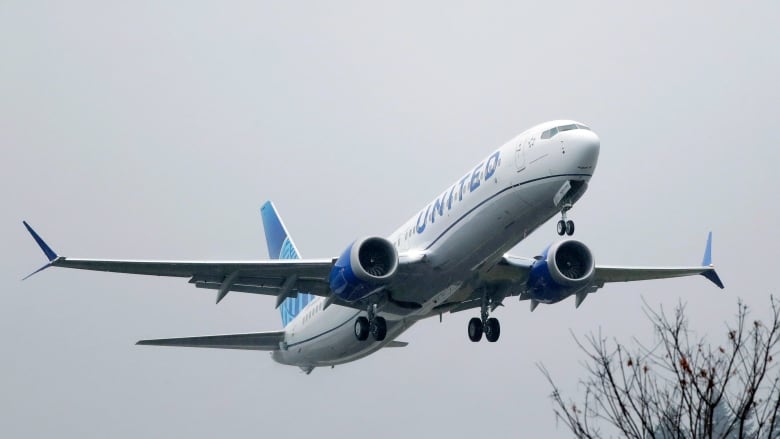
{"x":475,"y":329}
{"x":361,"y":328}
{"x":492,"y":330}
{"x":565,"y":225}
{"x":379,"y":328}
{"x":569,"y":227}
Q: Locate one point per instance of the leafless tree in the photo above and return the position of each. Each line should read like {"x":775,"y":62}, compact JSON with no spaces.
{"x":681,"y":386}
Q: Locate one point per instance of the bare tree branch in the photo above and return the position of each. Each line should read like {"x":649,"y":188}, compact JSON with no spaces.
{"x":679,"y":386}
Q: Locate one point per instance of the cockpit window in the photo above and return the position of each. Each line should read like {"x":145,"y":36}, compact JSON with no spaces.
{"x":553,"y":131}
{"x":549,"y":133}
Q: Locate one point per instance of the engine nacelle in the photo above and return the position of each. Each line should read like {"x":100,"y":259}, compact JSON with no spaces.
{"x":365,"y":265}
{"x":565,"y":268}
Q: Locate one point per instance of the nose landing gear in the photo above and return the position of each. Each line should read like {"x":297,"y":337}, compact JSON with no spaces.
{"x":565,"y":227}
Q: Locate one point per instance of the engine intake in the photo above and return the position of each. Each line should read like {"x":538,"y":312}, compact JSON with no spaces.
{"x":377,"y":259}
{"x":570,"y":262}
{"x":565,"y":268}
{"x":363,"y":267}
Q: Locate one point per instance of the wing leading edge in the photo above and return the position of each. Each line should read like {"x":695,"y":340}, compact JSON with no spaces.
{"x":605,"y":274}
{"x":270,"y":277}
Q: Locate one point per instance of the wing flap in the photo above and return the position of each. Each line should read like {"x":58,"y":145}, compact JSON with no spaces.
{"x":258,"y":341}
{"x":309,"y":286}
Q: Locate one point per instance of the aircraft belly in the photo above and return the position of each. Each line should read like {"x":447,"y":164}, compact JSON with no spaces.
{"x":335,"y":345}
{"x":354,"y":349}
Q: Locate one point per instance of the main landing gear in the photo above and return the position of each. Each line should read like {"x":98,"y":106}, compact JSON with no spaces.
{"x":565,"y":227}
{"x":487,"y":325}
{"x":373,"y":324}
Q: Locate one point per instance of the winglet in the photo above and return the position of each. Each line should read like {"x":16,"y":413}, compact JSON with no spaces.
{"x":707,"y":261}
{"x":713,"y":277}
{"x":710,"y":274}
{"x":50,"y":254}
{"x":37,"y":271}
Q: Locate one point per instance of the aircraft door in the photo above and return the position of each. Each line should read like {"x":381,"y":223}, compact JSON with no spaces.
{"x":519,"y":156}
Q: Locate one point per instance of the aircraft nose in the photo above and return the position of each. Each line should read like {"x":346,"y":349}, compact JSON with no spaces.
{"x":584,"y":149}
{"x":591,"y":143}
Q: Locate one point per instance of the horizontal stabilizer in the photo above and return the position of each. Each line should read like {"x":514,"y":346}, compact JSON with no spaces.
{"x":258,"y":341}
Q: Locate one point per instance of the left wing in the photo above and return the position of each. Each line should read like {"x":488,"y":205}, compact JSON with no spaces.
{"x":510,"y":276}
{"x":518,"y":269}
{"x":606,"y":274}
{"x":610,"y":273}
{"x":279,"y":277}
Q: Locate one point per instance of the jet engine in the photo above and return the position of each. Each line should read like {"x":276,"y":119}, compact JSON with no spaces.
{"x":563,"y":269}
{"x":365,"y":266}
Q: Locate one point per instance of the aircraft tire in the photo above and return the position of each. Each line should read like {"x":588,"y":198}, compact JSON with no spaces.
{"x":379,"y":328}
{"x":569,"y":227}
{"x":361,"y":328}
{"x":561,"y":227}
{"x":492,"y":330}
{"x":475,"y":329}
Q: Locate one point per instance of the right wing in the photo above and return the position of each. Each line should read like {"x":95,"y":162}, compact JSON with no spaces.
{"x":282,"y":278}
{"x":258,"y":341}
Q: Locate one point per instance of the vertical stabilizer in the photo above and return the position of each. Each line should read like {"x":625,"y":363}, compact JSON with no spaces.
{"x":281,"y":246}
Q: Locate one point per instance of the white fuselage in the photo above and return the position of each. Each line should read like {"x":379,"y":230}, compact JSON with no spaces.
{"x":466,"y":229}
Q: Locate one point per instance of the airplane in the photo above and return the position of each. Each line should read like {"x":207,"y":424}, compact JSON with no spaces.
{"x":450,"y":256}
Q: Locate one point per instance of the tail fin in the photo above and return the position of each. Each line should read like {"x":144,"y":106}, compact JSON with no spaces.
{"x":281,"y":246}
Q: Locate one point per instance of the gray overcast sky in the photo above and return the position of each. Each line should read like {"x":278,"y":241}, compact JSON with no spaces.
{"x":156,"y":130}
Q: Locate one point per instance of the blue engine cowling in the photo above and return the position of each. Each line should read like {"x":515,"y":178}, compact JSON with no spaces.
{"x":363,"y":267}
{"x":564,"y":268}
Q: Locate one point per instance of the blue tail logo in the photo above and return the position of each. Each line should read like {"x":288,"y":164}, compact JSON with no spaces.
{"x":281,"y":246}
